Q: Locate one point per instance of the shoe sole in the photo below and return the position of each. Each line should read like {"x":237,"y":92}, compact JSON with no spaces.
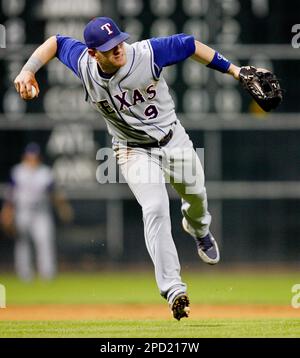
{"x":208,"y":260}
{"x":180,"y":307}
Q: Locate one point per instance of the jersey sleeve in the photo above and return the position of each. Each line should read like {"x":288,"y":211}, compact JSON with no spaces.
{"x":69,"y":51}
{"x":8,"y":192}
{"x":49,"y":179}
{"x":12,"y":181}
{"x":170,"y":50}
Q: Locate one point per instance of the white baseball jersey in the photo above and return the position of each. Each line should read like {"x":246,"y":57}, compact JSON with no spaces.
{"x":135,"y":103}
{"x":31,"y":188}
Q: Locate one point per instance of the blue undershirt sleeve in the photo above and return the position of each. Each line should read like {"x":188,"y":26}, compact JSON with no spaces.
{"x":170,"y":50}
{"x":69,"y":51}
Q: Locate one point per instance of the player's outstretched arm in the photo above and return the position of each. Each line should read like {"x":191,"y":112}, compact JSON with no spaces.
{"x":262,"y":84}
{"x":26,"y":78}
{"x":213,"y":59}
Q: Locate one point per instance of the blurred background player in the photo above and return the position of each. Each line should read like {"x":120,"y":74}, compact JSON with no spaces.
{"x":27,"y":214}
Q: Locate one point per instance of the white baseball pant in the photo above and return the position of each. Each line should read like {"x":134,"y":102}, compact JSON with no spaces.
{"x":37,"y":229}
{"x":146,"y":172}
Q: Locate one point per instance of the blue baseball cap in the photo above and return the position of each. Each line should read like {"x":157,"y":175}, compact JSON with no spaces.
{"x":32,"y":148}
{"x":103,"y":34}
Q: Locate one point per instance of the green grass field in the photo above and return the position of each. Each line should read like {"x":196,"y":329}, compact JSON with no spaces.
{"x":140,"y":288}
{"x":154,"y":329}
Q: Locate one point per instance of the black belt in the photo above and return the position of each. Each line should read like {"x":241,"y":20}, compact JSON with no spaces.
{"x":160,"y":143}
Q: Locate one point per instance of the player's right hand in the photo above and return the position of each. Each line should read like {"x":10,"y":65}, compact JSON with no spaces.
{"x":23,"y":83}
{"x":7,"y":219}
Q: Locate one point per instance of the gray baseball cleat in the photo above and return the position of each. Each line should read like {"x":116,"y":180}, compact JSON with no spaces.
{"x":180,"y":306}
{"x":208,"y":249}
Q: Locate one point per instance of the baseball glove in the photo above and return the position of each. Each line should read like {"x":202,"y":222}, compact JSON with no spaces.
{"x":263,"y":86}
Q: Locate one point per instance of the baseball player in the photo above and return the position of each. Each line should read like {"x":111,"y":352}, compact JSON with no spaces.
{"x":126,"y":85}
{"x":27,"y":213}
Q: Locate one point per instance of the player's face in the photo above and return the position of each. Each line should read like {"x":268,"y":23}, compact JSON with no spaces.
{"x":32,"y":160}
{"x":113,"y":59}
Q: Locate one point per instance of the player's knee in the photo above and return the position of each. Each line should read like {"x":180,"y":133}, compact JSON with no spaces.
{"x":196,"y":197}
{"x":157,"y":208}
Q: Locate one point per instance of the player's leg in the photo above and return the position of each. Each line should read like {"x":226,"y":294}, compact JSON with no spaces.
{"x":185,"y":172}
{"x":187,"y":178}
{"x":145,"y":178}
{"x":23,"y":255}
{"x":43,"y":234}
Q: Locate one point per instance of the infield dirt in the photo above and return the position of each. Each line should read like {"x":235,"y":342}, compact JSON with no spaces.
{"x":141,"y":311}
